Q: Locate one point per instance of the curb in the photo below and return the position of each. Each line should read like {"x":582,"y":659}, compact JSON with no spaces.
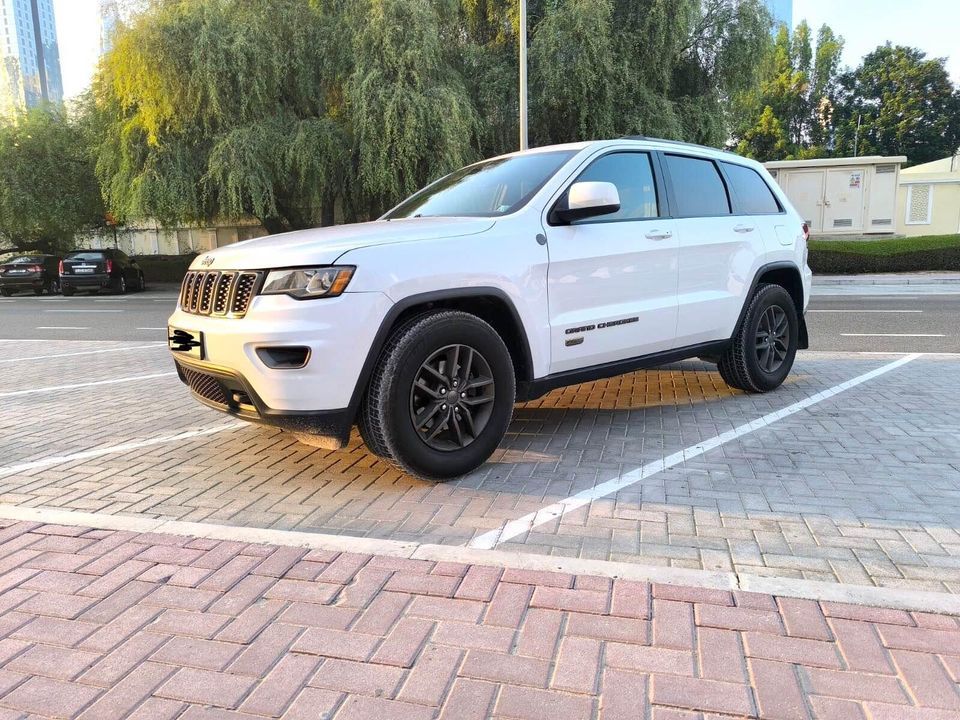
{"x":906,"y":279}
{"x":909,"y":600}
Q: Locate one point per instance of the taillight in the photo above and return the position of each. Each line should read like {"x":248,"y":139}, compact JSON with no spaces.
{"x":35,"y":268}
{"x":806,"y":232}
{"x":109,"y":267}
{"x":61,"y":267}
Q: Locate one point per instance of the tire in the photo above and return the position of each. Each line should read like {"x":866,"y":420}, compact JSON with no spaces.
{"x":120,"y":286}
{"x":6,"y":292}
{"x":459,"y":429}
{"x":67,"y":291}
{"x":763,"y":349}
{"x":141,"y":283}
{"x":53,"y":287}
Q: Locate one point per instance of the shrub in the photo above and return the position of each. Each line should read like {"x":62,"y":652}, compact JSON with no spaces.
{"x":849,"y":257}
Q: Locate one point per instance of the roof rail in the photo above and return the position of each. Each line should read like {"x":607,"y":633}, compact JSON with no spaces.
{"x":668,"y":142}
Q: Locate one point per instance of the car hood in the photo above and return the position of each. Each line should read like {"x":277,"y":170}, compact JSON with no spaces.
{"x":322,"y":246}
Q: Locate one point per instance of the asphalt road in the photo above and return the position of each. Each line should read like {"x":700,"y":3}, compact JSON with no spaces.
{"x":883,"y":319}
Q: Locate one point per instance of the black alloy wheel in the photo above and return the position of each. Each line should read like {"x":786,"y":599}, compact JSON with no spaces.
{"x":452,"y":397}
{"x":773,"y":339}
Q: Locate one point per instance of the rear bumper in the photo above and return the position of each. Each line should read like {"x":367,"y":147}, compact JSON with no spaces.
{"x":95,"y":280}
{"x":229,"y":392}
{"x":30,"y":282}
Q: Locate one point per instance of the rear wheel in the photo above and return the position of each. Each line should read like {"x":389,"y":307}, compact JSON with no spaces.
{"x":441,"y":397}
{"x":67,"y":291}
{"x":120,"y":286}
{"x":763,"y":349}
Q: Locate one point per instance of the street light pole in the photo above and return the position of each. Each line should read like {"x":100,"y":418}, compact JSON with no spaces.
{"x":523,"y":75}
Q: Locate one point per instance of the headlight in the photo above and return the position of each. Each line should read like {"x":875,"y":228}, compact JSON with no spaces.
{"x":305,"y":283}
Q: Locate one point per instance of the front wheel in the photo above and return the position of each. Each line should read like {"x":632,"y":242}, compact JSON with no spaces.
{"x":441,"y":397}
{"x":120,"y":286}
{"x":763,"y":349}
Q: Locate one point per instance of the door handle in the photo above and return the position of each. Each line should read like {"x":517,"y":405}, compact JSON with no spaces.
{"x":659,"y":235}
{"x":744,"y":228}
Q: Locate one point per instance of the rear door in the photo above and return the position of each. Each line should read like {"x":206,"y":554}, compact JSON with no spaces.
{"x":754,"y":200}
{"x":613,"y":279}
{"x":716,"y":250}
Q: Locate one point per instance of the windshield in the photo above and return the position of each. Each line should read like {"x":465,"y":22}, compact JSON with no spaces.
{"x":489,"y":189}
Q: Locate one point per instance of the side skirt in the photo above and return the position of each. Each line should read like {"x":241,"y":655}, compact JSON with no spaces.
{"x":533,"y":389}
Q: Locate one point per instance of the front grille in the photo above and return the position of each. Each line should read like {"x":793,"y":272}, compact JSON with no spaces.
{"x":206,"y":386}
{"x":211,"y":292}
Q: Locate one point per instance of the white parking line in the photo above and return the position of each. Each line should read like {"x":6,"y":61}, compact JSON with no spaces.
{"x":153,"y":346}
{"x":514,"y":528}
{"x":114,"y":381}
{"x":115,"y":449}
{"x":887,"y":335}
{"x":83,"y":312}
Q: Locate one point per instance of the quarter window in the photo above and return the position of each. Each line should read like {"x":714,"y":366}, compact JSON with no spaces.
{"x":754,"y":196}
{"x":632,"y":174}
{"x":699,"y":189}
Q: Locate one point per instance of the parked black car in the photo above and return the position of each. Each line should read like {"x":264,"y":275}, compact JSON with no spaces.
{"x":95,"y":270}
{"x":39,"y":273}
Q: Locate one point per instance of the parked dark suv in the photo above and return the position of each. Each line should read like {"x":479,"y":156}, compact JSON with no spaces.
{"x":38,"y":273}
{"x":95,"y":270}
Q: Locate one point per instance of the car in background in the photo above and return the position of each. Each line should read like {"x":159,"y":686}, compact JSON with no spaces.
{"x":96,"y":270}
{"x":30,"y":273}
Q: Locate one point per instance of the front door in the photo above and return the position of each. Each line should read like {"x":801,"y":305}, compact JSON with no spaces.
{"x":613,"y":279}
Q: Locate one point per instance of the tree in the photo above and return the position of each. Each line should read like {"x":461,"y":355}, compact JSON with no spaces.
{"x":224,"y":108}
{"x":766,"y":140}
{"x":797,"y":84}
{"x":411,"y":118}
{"x":48,"y":191}
{"x":905,"y":105}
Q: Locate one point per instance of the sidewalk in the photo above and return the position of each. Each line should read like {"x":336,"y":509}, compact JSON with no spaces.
{"x":110,"y":624}
{"x":917,"y":278}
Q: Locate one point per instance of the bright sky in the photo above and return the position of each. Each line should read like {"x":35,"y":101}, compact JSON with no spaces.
{"x":931,"y":25}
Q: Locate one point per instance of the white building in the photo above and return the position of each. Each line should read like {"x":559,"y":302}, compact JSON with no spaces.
{"x":29,"y":55}
{"x":929,"y":199}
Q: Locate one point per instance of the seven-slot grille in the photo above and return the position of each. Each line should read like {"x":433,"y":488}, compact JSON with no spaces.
{"x":211,"y":292}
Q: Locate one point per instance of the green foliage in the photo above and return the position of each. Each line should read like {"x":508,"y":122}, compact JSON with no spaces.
{"x":796,"y":85}
{"x":918,"y":254}
{"x":48,"y":191}
{"x":906,"y":104}
{"x":766,"y":140}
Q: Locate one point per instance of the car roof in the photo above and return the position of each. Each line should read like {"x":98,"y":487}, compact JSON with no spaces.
{"x":644,"y":142}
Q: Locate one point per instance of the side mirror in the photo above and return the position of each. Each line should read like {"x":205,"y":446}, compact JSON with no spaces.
{"x":587,"y":199}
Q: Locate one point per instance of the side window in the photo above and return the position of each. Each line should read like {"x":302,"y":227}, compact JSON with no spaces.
{"x":632,"y":173}
{"x":753,"y":194}
{"x":698,"y":187}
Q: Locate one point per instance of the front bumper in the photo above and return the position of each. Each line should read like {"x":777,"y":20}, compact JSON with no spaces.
{"x":229,"y":392}
{"x":319,"y":397}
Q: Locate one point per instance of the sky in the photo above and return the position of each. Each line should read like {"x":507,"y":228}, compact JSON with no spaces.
{"x":931,"y":25}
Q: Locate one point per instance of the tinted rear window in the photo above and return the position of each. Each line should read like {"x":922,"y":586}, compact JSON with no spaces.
{"x":698,"y":187}
{"x":86,"y":256}
{"x":754,"y":196}
{"x":26,"y":260}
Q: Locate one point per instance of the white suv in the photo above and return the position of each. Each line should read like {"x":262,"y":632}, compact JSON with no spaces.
{"x":497,"y":284}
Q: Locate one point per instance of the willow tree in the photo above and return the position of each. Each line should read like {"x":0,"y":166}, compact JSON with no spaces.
{"x":409,"y":111}
{"x":223,"y":108}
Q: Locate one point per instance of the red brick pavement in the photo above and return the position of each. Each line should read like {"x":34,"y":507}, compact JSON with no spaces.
{"x":101,"y":625}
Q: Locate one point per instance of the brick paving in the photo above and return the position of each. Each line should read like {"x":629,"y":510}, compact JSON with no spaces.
{"x":106,"y":624}
{"x":863,"y":489}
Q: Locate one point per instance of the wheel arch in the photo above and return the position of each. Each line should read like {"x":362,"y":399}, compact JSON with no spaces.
{"x":787,"y":275}
{"x":490,"y":304}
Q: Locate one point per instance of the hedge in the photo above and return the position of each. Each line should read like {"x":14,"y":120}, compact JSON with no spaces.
{"x":164,"y":268}
{"x":851,"y":257}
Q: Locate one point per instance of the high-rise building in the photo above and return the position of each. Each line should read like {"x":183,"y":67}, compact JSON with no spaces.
{"x":109,"y":19}
{"x":782,"y":12}
{"x":29,"y":55}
